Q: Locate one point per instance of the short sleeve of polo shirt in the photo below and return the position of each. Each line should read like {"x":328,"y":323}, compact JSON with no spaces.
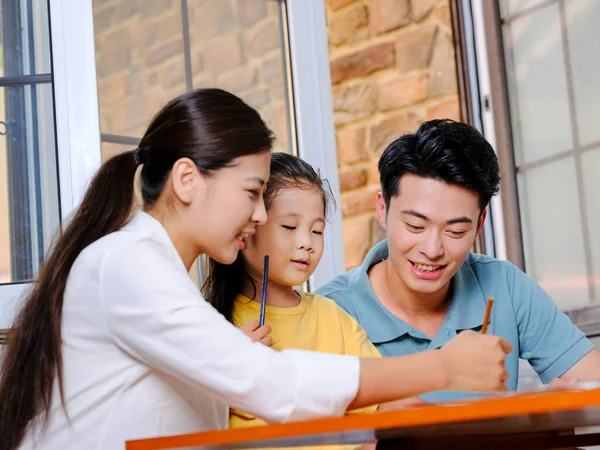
{"x":547,"y":337}
{"x":338,"y":290}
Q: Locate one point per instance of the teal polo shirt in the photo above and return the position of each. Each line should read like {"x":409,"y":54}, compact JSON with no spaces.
{"x":523,"y":314}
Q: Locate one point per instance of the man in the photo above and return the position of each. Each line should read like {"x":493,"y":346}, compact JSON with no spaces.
{"x":422,"y":285}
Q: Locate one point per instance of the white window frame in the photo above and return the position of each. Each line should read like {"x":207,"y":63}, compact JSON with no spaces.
{"x":78,"y":125}
{"x":313,"y":107}
{"x":75,"y":113}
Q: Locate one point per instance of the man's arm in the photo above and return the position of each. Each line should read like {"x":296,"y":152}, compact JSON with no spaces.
{"x":586,"y":369}
{"x":554,"y":346}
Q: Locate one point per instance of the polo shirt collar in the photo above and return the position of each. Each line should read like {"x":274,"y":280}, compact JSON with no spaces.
{"x":466,"y":310}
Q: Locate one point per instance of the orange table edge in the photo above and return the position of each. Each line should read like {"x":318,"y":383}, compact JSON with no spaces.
{"x":518,"y":405}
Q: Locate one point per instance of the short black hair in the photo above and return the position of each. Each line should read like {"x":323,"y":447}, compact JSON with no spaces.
{"x":445,"y":150}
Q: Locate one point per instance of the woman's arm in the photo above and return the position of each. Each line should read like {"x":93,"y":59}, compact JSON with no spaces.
{"x":154,"y":312}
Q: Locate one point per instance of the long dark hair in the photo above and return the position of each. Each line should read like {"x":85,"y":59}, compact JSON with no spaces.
{"x":225,"y":281}
{"x":211,"y":127}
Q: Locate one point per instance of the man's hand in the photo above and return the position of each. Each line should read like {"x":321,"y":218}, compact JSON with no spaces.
{"x":257,"y":333}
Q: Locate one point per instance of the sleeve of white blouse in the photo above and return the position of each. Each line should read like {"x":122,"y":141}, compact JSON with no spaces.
{"x":156,"y":313}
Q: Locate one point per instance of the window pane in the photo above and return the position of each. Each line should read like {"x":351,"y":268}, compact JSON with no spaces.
{"x":236,"y":45}
{"x":24,"y":43}
{"x":536,"y":75}
{"x":554,"y":252}
{"x":511,"y":7}
{"x":590,"y":162}
{"x":139,"y":61}
{"x":110,"y":149}
{"x":583,"y":20}
{"x":250,"y":33}
{"x":29,"y":204}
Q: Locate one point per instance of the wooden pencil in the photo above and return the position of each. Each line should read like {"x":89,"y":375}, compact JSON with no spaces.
{"x":488,"y":313}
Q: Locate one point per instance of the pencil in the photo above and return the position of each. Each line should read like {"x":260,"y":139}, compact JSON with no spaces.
{"x":488,"y":313}
{"x":263,"y":300}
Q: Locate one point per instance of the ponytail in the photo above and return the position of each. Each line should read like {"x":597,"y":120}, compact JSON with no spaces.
{"x":223,"y":284}
{"x":211,"y":127}
{"x":33,"y":357}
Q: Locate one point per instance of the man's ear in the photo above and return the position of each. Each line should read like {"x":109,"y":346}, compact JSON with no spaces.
{"x":481,"y":221}
{"x":381,"y":211}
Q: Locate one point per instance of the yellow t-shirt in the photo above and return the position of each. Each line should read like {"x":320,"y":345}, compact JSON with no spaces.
{"x":317,"y":324}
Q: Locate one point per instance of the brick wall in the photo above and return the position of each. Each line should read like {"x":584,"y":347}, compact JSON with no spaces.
{"x":234,"y":44}
{"x":392,"y":67}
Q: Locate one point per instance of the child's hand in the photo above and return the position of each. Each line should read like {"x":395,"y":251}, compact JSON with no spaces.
{"x":257,"y":333}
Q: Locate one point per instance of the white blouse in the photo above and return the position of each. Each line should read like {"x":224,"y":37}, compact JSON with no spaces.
{"x":145,"y":355}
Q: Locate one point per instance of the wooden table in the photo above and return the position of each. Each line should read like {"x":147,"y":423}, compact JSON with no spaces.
{"x":523,"y":421}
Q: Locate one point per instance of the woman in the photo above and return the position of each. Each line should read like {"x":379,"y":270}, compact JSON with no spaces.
{"x":115,"y":342}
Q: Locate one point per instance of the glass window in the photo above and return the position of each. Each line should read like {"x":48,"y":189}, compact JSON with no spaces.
{"x":29,"y":200}
{"x":146,"y":55}
{"x":554,"y":98}
{"x":149,"y":52}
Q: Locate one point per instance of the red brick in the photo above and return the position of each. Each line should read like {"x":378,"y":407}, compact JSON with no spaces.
{"x":359,"y":202}
{"x":203,"y":80}
{"x":173,"y":74}
{"x":272,"y":70}
{"x":222,"y":54}
{"x":422,"y":8}
{"x":442,"y":75}
{"x":387,"y":15}
{"x":353,"y":101}
{"x":113,"y":53}
{"x":103,"y":19}
{"x":390,"y":129}
{"x":343,"y":26}
{"x":338,"y":4}
{"x":373,"y":174}
{"x":113,"y":88}
{"x":401,"y":92}
{"x":351,"y":145}
{"x":210,"y":18}
{"x":442,"y":14}
{"x":357,"y":240}
{"x":414,"y":48}
{"x":449,"y":109}
{"x":258,"y":98}
{"x":164,"y":52}
{"x":135,"y":83}
{"x":363,"y":62}
{"x":137,"y":114}
{"x":276,"y":117}
{"x":352,"y":178}
{"x":159,"y":30}
{"x":264,"y":38}
{"x":154,"y":8}
{"x":250,"y":12}
{"x":238,"y":80}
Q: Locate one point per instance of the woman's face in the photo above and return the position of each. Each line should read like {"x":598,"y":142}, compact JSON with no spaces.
{"x":228,"y":205}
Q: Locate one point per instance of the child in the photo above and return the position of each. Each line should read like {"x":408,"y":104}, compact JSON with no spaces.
{"x":297,"y":203}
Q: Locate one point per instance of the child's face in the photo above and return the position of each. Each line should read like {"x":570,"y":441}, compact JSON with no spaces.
{"x":292,"y":237}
